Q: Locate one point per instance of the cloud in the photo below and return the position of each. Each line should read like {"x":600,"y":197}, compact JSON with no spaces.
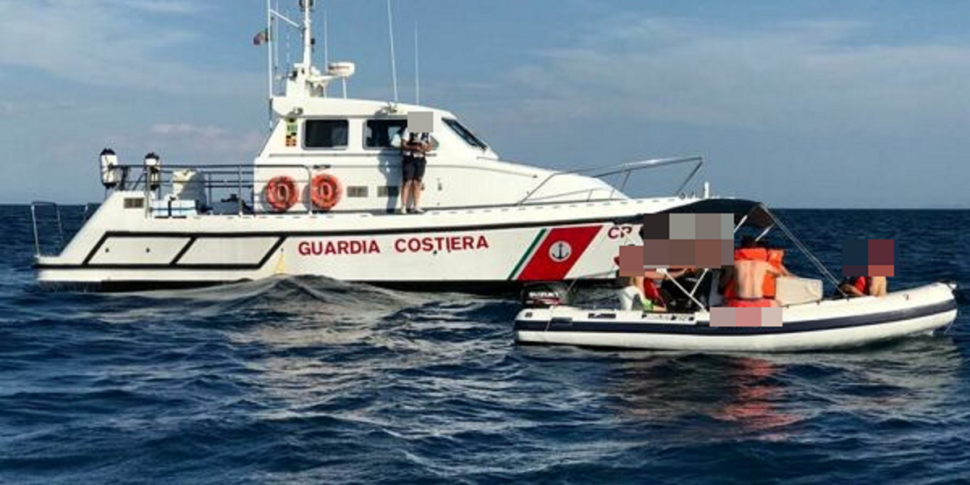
{"x":28,"y":107}
{"x":113,"y":43}
{"x":805,"y":75}
{"x":178,"y":143}
{"x":183,"y":129}
{"x":205,"y":141}
{"x":178,"y":7}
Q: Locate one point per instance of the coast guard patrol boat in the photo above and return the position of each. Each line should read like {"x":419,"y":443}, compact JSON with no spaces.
{"x":320,"y":199}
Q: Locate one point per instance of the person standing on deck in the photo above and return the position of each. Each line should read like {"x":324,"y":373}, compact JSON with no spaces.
{"x":414,"y":148}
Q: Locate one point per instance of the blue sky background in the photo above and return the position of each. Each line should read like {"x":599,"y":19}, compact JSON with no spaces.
{"x":797,"y":103}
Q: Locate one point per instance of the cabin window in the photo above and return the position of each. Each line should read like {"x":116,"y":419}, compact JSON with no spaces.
{"x":388,"y":191}
{"x":379,"y":133}
{"x":357,"y":191}
{"x":465,"y":133}
{"x":325,"y":133}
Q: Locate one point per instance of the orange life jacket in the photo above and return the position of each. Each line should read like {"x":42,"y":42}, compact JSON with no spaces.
{"x":751,"y":254}
{"x":775,"y":257}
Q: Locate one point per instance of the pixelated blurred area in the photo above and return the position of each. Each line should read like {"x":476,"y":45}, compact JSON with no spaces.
{"x":421,"y":122}
{"x":868,"y":257}
{"x":631,"y":261}
{"x":687,"y":241}
{"x":746,"y":317}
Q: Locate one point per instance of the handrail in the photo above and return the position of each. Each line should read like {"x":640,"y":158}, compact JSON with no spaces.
{"x":243,"y":176}
{"x":237,"y":176}
{"x":33,"y":220}
{"x":627,"y":168}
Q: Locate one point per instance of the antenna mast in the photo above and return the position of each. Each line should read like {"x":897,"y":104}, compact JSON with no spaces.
{"x":270,"y":67}
{"x":417,"y":68}
{"x":326,"y":53}
{"x":326,"y":40}
{"x":390,"y":30}
{"x":307,"y":5}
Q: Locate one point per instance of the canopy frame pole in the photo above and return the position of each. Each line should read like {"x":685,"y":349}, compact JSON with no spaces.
{"x":804,"y":250}
{"x":683,"y":290}
{"x":700,"y":280}
{"x":764,"y":233}
{"x":738,"y":227}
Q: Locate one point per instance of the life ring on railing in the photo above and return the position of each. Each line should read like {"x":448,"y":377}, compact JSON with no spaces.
{"x":325,"y":191}
{"x":280,"y":193}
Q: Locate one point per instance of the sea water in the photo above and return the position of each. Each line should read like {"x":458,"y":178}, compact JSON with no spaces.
{"x":308,"y":380}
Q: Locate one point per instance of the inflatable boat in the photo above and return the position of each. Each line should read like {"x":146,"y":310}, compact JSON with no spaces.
{"x":800,"y":318}
{"x":823,"y":325}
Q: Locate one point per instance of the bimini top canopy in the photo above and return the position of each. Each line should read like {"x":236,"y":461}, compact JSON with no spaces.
{"x":752,"y":212}
{"x":756,"y":213}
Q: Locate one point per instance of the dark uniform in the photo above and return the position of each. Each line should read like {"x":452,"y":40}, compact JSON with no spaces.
{"x":414,"y":162}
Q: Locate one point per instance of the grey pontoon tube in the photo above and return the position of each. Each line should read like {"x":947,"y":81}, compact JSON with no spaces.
{"x":801,"y":247}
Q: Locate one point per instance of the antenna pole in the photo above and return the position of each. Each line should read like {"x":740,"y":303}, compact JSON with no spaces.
{"x":275,"y":43}
{"x":326,"y":41}
{"x":417,"y":68}
{"x":269,"y":60}
{"x":326,"y":51}
{"x":390,"y":30}
{"x":307,"y":34}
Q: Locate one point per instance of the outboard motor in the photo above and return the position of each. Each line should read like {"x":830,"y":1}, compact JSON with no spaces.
{"x":545,"y":295}
{"x":110,"y":171}
{"x":153,"y":171}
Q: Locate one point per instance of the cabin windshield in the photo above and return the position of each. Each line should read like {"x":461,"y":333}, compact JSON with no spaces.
{"x":465,"y":133}
{"x":325,"y":134}
{"x":379,"y":133}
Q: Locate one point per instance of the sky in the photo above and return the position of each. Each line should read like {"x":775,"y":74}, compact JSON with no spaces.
{"x":821,"y":103}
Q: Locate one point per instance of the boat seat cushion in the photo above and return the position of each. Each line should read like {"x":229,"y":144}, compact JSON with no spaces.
{"x":791,"y":290}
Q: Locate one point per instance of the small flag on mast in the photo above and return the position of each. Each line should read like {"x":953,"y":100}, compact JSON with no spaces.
{"x":261,"y":37}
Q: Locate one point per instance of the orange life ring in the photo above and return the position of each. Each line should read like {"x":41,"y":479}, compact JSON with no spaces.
{"x":281,"y":193}
{"x":325,"y":191}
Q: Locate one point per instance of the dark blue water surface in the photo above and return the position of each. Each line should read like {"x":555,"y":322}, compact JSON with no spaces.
{"x":307,"y":380}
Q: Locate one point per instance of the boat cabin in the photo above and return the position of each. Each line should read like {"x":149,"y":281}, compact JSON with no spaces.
{"x":351,"y":140}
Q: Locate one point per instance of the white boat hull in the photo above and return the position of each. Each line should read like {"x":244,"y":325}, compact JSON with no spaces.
{"x":819,"y":326}
{"x":491,"y":249}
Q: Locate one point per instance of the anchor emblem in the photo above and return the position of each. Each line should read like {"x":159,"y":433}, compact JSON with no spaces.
{"x":560,"y":251}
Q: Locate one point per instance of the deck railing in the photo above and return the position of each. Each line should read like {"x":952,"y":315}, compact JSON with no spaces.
{"x":36,"y":224}
{"x":624,"y":169}
{"x":221,"y":183}
{"x":224,"y":184}
{"x":53,"y":225}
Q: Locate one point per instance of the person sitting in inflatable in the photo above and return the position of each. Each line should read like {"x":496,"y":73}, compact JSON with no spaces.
{"x":864,"y":285}
{"x":646,"y":288}
{"x":631,"y":294}
{"x":759,"y":251}
{"x":751,"y":276}
{"x":642,"y":292}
